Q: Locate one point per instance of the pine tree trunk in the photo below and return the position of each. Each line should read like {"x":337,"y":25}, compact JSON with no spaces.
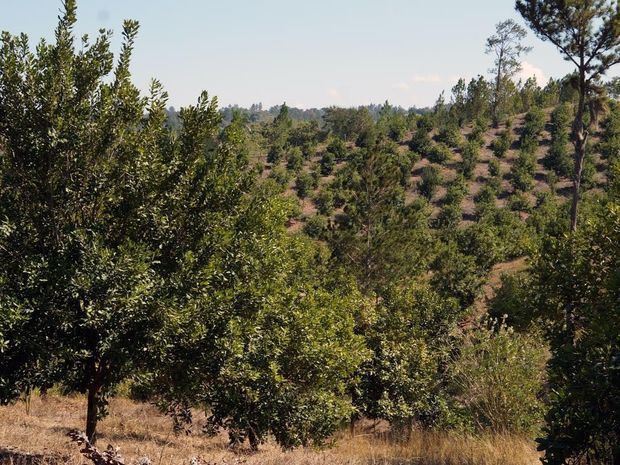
{"x":579,"y":157}
{"x":580,"y":137}
{"x":498,"y":83}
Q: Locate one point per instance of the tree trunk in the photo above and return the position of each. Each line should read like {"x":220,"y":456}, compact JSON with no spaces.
{"x":253,"y":439}
{"x":579,"y":157}
{"x":91,"y":415}
{"x":498,"y":82}
{"x":580,"y":138}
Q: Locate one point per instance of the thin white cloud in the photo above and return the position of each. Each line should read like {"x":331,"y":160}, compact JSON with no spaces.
{"x":426,"y":78}
{"x":529,"y":70}
{"x":401,"y":86}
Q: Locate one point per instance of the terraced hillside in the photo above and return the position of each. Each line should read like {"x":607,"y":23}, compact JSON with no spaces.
{"x":488,"y":170}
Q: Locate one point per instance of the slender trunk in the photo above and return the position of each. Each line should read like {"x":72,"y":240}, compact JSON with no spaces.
{"x":580,"y":137}
{"x":91,"y":415}
{"x":253,"y":439}
{"x":498,"y":81}
{"x":94,"y":392}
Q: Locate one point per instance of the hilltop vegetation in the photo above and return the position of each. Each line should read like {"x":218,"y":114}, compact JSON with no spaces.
{"x":277,"y":279}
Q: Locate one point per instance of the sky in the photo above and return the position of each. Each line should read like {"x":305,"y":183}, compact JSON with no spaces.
{"x":307,"y":53}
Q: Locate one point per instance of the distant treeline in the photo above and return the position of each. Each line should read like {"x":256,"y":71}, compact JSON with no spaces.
{"x":257,"y":114}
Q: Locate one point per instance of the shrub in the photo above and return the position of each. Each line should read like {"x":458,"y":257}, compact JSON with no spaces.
{"x":338,"y":148}
{"x":408,"y":339}
{"x":494,"y":167}
{"x":522,"y":171}
{"x":450,"y":216}
{"x":485,"y":200}
{"x":495,"y":183}
{"x":502,"y":143}
{"x":559,"y":158}
{"x":519,"y":202}
{"x":316,"y":226}
{"x":324,"y":202}
{"x":425,"y":123}
{"x":440,"y":153}
{"x":511,"y":302}
{"x":457,"y":190}
{"x":457,"y":275}
{"x":470,"y":156}
{"x":420,"y":142}
{"x":304,"y":184}
{"x":532,"y":127}
{"x":327,"y":163}
{"x":294,"y":159}
{"x":431,"y":179}
{"x":497,"y":377}
{"x":275,"y":154}
{"x":477,"y":132}
{"x":280,"y":175}
{"x":551,"y":179}
{"x":450,"y":135}
{"x":609,"y":146}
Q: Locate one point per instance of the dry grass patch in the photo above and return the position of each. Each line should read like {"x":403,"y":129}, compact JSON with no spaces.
{"x":139,"y":430}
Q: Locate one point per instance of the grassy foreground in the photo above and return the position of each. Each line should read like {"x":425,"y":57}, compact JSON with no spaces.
{"x":139,"y":430}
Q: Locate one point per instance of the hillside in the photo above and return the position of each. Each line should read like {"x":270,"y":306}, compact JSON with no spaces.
{"x":450,"y":169}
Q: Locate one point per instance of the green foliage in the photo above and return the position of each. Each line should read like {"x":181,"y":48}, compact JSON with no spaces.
{"x":450,"y":135}
{"x":559,"y":159}
{"x":271,"y":349}
{"x":328,"y":161}
{"x":477,"y":132}
{"x":409,"y":340}
{"x":457,"y":190}
{"x":347,"y":123}
{"x":316,"y":226}
{"x":494,"y":168}
{"x":502,"y":143}
{"x":378,"y":232}
{"x":324,"y":202}
{"x":281,"y":176}
{"x":277,"y":135}
{"x":431,"y":180}
{"x":533,"y":125}
{"x":294,"y":159}
{"x":457,"y":275}
{"x":477,"y":100}
{"x":304,"y":184}
{"x":519,"y":202}
{"x":522,"y":171}
{"x":449,"y":217}
{"x":512,"y":301}
{"x":421,"y":141}
{"x":577,"y":291}
{"x":338,"y":148}
{"x":609,"y":146}
{"x":425,"y":123}
{"x":305,"y":135}
{"x":497,"y":377}
{"x":469,"y":155}
{"x":392,"y":122}
{"x":79,"y":187}
{"x":440,"y":153}
{"x":485,"y":200}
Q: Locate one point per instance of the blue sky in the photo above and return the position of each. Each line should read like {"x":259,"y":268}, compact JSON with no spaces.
{"x":307,"y":53}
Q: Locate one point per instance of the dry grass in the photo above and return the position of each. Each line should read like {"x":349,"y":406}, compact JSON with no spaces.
{"x":139,"y":430}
